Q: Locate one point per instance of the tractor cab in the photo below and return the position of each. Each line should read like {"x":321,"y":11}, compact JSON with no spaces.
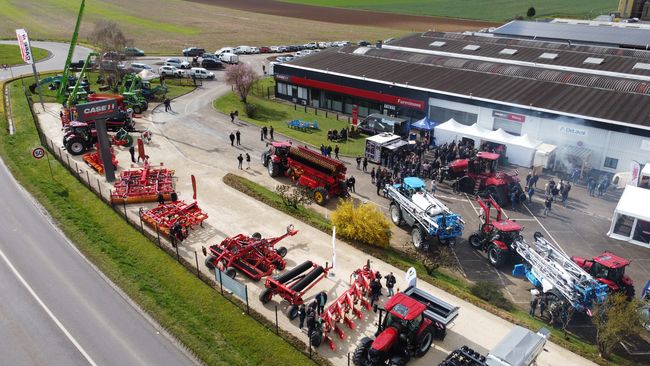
{"x":280,"y":148}
{"x":410,"y":186}
{"x":608,"y":268}
{"x":484,"y":163}
{"x":79,"y":128}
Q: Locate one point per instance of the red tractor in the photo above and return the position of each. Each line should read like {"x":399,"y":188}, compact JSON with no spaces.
{"x":323,"y":176}
{"x":495,"y":236}
{"x":479,"y":175}
{"x":609,"y":269}
{"x":413,"y":319}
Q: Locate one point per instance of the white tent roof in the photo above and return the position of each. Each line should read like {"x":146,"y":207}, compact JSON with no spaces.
{"x":148,"y":75}
{"x":499,"y":136}
{"x":634,"y":202}
{"x":546,"y":148}
{"x":645,"y":170}
{"x":526,"y":141}
{"x":476,"y":130}
{"x":451,"y":125}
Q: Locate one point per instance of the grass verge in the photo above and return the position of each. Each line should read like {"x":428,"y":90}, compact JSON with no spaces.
{"x":445,"y":281}
{"x":10,"y":54}
{"x":207,"y":323}
{"x":277,"y":114}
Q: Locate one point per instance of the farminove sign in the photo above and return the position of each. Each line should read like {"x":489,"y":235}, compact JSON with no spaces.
{"x":568,"y":130}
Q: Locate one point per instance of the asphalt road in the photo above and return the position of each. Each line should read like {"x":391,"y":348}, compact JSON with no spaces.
{"x":56,"y":60}
{"x":57,"y":308}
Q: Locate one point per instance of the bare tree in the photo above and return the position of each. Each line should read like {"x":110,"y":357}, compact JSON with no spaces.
{"x":108,"y":37}
{"x":242,"y":77}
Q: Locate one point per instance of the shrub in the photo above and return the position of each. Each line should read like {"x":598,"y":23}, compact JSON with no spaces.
{"x":363,"y":223}
{"x":294,"y":196}
{"x":490,"y":292}
{"x":251,"y":110}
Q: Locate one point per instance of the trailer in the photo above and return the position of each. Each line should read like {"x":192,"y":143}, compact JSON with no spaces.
{"x":253,"y":255}
{"x":375,"y":144}
{"x":293,"y":285}
{"x":143,"y":185}
{"x":163,"y":217}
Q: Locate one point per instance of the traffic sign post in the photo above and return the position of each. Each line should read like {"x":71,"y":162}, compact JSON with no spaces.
{"x":38,"y":153}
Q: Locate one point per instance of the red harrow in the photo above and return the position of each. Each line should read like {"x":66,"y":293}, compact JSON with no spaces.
{"x":95,"y":161}
{"x":292,"y":285}
{"x":165,"y":216}
{"x":143,"y":185}
{"x":340,"y":309}
{"x":254,"y":256}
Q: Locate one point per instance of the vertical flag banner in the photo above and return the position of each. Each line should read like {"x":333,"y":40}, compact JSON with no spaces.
{"x":25,"y":48}
{"x":333,"y":247}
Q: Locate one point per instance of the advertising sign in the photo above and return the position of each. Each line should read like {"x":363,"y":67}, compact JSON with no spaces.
{"x":355,"y":114}
{"x":635,"y":169}
{"x":509,"y":116}
{"x":573,"y":131}
{"x":101,"y":109}
{"x":25,"y":48}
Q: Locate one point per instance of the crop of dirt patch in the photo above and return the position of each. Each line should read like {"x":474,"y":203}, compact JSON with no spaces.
{"x":351,"y":16}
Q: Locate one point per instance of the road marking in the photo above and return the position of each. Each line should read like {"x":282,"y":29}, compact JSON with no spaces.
{"x":522,"y":219}
{"x":546,"y":231}
{"x":47,"y":310}
{"x":471,"y":204}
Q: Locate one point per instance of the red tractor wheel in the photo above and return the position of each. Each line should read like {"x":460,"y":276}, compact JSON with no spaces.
{"x":496,"y":255}
{"x":360,"y":355}
{"x":476,"y":240}
{"x":231,"y":272}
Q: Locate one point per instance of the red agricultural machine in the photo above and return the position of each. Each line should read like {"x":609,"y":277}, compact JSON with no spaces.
{"x":323,"y":176}
{"x":413,"y":320}
{"x":609,"y":269}
{"x":143,"y":185}
{"x":174,"y":219}
{"x":495,"y":236}
{"x":341,"y":310}
{"x":254,"y":256}
{"x":80,"y":136}
{"x":95,"y":161}
{"x":293,"y":285}
{"x":479,"y":175}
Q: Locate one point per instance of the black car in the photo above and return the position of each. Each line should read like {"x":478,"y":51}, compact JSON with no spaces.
{"x":209,"y":63}
{"x":193,"y":52}
{"x":364,"y":43}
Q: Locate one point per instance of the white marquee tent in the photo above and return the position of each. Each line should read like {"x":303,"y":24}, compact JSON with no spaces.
{"x":631,"y":221}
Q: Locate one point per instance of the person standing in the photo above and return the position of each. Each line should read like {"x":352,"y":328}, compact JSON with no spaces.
{"x":265,"y":132}
{"x":372,"y":175}
{"x":351,"y":184}
{"x":434,"y":187}
{"x":168,"y":105}
{"x":531,"y":192}
{"x":240,"y":159}
{"x":232,"y":117}
{"x":513,"y":199}
{"x":534,"y":293}
{"x":375,"y":290}
{"x":336,"y":151}
{"x":528,"y":178}
{"x":302,"y":314}
{"x":379,"y":184}
{"x":547,"y":205}
{"x":358,"y":162}
{"x":566,"y":187}
{"x":390,"y":283}
{"x":232,"y":139}
{"x":262,"y":134}
{"x":271,"y":132}
{"x":591,"y":186}
{"x":533,"y":180}
{"x":329,"y":151}
{"x":365,"y":164}
{"x":311,"y":323}
{"x":238,"y":135}
{"x":248,"y":161}
{"x":132,"y":152}
{"x":321,"y":297}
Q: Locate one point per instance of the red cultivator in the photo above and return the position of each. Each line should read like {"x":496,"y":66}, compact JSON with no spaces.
{"x":168,"y":215}
{"x":95,"y":161}
{"x":292,"y":285}
{"x":340,"y":309}
{"x":253,"y":255}
{"x":144,"y":185}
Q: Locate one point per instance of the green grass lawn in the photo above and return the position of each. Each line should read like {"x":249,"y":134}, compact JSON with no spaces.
{"x":490,"y":10}
{"x":10,"y":54}
{"x":211,"y":326}
{"x":277,"y":114}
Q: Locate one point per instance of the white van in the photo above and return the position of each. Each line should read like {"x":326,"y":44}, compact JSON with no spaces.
{"x":201,"y":73}
{"x":223,"y":50}
{"x":243,"y":49}
{"x":229,"y":58}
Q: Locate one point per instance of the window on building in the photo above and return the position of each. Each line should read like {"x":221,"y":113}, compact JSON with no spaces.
{"x":303,"y":93}
{"x":610,"y":163}
{"x":507,"y":125}
{"x":440,"y":115}
{"x":282,"y":89}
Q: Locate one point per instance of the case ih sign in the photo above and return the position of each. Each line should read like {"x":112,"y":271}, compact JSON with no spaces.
{"x":101,"y":109}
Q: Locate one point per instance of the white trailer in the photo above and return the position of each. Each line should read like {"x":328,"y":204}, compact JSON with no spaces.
{"x":375,"y":145}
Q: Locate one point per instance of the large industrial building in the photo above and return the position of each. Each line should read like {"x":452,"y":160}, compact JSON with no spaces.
{"x":587,"y":102}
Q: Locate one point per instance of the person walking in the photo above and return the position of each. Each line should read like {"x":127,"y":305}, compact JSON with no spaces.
{"x":528,"y":178}
{"x":232,"y":117}
{"x":533,"y":180}
{"x":336,"y":151}
{"x":232,"y":139}
{"x":365,"y":164}
{"x":531,"y":192}
{"x":372,"y":175}
{"x":240,"y":159}
{"x":358,"y":162}
{"x":248,"y":161}
{"x":434,"y":186}
{"x":271,"y":132}
{"x":566,"y":187}
{"x":302,"y":314}
{"x":262,"y":134}
{"x":168,"y":105}
{"x":321,"y":297}
{"x":265,"y":131}
{"x":534,"y":293}
{"x":547,"y":205}
{"x":238,"y":135}
{"x":329,"y":151}
{"x":380,"y":180}
{"x":375,"y":290}
{"x":591,"y":186}
{"x":390,"y":283}
{"x":132,"y":152}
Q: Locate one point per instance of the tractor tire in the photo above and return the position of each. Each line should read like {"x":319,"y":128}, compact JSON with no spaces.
{"x":496,"y":255}
{"x":256,"y":235}
{"x":475,"y":240}
{"x":292,"y":312}
{"x":274,"y":169}
{"x":231,"y":272}
{"x":537,"y":235}
{"x":360,"y":355}
{"x":145,"y":105}
{"x":397,"y":361}
{"x":137,"y":109}
{"x":417,"y":237}
{"x":629,"y":292}
{"x":465,"y":185}
{"x":265,"y":161}
{"x":209,"y":262}
{"x":280,"y":265}
{"x":424,"y":344}
{"x":320,"y":196}
{"x":75,"y":146}
{"x":316,"y":338}
{"x":129,"y":140}
{"x":395,"y":213}
{"x":282,"y":251}
{"x":266,"y":295}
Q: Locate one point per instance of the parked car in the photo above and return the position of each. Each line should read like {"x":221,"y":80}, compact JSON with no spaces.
{"x":201,"y":73}
{"x":265,"y":49}
{"x":363,"y":43}
{"x":283,"y":48}
{"x":289,"y":58}
{"x":324,"y":44}
{"x":242,"y":50}
{"x":132,"y":51}
{"x":209,"y":63}
{"x":210,"y":56}
{"x":255,"y":50}
{"x":112,"y":55}
{"x":177,"y":62}
{"x":229,"y":58}
{"x":273,"y":49}
{"x":311,"y":45}
{"x":167,"y":70}
{"x":193,"y":52}
{"x":137,"y":67}
{"x":223,"y":50}
{"x":280,"y":59}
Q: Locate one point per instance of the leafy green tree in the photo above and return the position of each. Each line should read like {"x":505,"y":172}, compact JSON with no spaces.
{"x":616,"y":318}
{"x":531,"y":12}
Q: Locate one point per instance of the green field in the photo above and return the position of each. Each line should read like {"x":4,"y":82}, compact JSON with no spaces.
{"x":489,"y":10}
{"x":10,"y":54}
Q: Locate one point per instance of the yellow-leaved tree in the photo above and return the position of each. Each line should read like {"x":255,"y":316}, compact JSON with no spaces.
{"x":364,"y":223}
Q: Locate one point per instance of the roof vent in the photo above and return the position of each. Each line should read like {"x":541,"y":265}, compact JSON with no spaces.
{"x":548,"y":56}
{"x":641,"y":66}
{"x":471,"y":47}
{"x":594,"y":60}
{"x":508,"y":51}
{"x":437,"y":44}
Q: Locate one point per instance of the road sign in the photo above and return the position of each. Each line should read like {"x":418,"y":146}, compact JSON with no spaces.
{"x":38,"y":153}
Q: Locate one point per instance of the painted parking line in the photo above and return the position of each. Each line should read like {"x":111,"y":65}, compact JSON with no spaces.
{"x":545,"y":230}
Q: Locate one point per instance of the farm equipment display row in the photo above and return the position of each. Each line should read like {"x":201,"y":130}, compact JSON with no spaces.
{"x":143,"y":185}
{"x":174,"y":219}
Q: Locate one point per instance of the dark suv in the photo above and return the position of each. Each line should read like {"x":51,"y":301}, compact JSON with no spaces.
{"x":210,"y":63}
{"x":193,"y":52}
